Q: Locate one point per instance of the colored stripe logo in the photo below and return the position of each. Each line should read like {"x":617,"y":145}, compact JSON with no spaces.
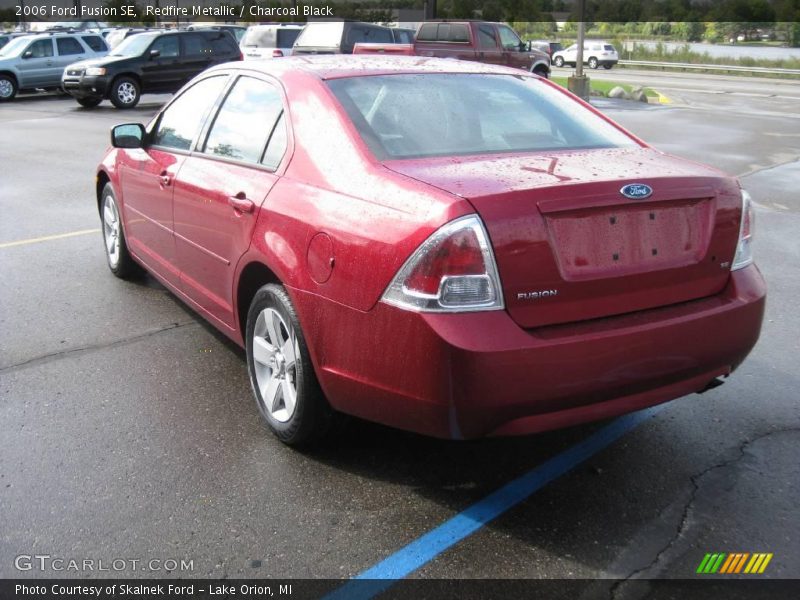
{"x":734,"y":563}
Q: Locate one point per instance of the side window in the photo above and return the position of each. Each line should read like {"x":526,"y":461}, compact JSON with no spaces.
{"x":196,"y":44}
{"x":508,"y":39}
{"x":427,"y":33}
{"x":245,"y":121}
{"x":68,"y":46}
{"x":182,"y":121}
{"x":486,"y":37}
{"x":222,"y":44}
{"x":41,"y":48}
{"x":95,"y":42}
{"x":276,"y":147}
{"x":458,"y":33}
{"x":167,"y":46}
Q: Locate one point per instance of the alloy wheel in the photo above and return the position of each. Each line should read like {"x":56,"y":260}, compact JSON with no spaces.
{"x":275,"y":354}
{"x":6,"y":88}
{"x":111,"y":230}
{"x":126,"y":92}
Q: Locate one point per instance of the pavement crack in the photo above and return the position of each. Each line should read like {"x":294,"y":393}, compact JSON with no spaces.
{"x":69,"y":352}
{"x":683,"y":524}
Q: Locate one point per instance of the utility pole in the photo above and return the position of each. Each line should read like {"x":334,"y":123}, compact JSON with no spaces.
{"x":579,"y":84}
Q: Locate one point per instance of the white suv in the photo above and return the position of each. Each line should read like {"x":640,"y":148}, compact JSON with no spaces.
{"x":38,"y":61}
{"x":595,"y":54}
{"x":269,"y":41}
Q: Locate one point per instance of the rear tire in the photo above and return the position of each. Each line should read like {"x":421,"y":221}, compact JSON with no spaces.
{"x":607,"y":66}
{"x":125,"y":92}
{"x":593,"y":64}
{"x":89,"y":102}
{"x":287,"y":392}
{"x":559,"y":62}
{"x":8,"y":88}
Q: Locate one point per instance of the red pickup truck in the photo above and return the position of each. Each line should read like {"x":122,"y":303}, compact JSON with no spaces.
{"x":480,"y":41}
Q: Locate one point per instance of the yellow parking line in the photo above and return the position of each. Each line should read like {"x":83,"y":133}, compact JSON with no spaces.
{"x":47,"y":238}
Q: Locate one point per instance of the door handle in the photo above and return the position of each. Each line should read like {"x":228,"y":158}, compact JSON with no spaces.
{"x":165,"y":179}
{"x":240,"y":203}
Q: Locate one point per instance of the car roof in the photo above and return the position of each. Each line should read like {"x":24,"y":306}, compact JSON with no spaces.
{"x":334,"y":66}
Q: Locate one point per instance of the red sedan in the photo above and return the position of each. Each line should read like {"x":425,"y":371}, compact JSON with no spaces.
{"x":447,"y":247}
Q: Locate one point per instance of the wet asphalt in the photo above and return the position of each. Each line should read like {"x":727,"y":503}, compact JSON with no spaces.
{"x":129,"y":431}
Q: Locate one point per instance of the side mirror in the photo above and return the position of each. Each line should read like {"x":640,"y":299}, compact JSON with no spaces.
{"x":129,"y":135}
{"x":155,"y":53}
{"x":524,"y":46}
{"x":27,"y":54}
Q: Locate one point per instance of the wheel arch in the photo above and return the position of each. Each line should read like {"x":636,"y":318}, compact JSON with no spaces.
{"x":252,"y":277}
{"x":100,"y":183}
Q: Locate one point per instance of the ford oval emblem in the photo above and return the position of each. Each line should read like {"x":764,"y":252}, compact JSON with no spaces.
{"x":636,"y":191}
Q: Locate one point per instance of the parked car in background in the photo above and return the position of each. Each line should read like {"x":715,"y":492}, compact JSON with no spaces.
{"x":237,"y":31}
{"x":548,"y":48}
{"x":150,"y":62}
{"x":452,"y":248}
{"x":269,"y":41}
{"x":7,"y":37}
{"x":595,"y":54}
{"x":339,"y":37}
{"x":37,"y":61}
{"x":385,"y":49}
{"x":482,"y":41}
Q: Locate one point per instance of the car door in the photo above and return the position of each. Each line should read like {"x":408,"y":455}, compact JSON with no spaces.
{"x":37,"y":64}
{"x":511,"y":45}
{"x":68,"y":51}
{"x":148,"y":175}
{"x":220,"y":188}
{"x":488,"y":46}
{"x":161,"y":70}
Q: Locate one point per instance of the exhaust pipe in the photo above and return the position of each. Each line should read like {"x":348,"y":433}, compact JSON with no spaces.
{"x":714,"y":383}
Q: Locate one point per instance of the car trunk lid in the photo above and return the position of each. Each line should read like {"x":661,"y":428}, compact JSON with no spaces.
{"x":569,"y":246}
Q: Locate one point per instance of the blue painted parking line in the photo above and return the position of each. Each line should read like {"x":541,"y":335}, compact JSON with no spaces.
{"x":405,"y":561}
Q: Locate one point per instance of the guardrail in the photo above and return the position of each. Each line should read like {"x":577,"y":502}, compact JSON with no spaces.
{"x":696,"y":67}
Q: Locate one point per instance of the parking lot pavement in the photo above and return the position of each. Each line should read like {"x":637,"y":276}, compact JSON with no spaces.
{"x":128,"y":429}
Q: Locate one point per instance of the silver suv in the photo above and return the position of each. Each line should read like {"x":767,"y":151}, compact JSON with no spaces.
{"x":38,"y":61}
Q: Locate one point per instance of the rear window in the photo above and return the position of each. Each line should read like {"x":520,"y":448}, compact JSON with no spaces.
{"x":325,"y":35}
{"x":443,"y":32}
{"x":415,"y":115}
{"x":359,"y":34}
{"x":608,"y":47}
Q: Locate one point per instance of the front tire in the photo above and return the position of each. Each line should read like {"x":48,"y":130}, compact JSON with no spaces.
{"x":8,"y":88}
{"x":117,"y":255}
{"x":559,"y":62}
{"x":282,"y":376}
{"x":89,"y":102}
{"x":593,"y":63}
{"x":125,"y":92}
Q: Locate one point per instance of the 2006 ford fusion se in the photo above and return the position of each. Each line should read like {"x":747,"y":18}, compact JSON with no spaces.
{"x":446,"y":247}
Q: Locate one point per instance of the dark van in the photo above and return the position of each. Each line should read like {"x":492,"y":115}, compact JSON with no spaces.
{"x":339,"y":37}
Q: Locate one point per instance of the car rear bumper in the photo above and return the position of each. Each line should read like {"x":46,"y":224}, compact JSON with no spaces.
{"x":85,"y":87}
{"x":477,"y":374}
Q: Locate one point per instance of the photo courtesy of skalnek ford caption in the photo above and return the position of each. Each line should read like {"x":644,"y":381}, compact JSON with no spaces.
{"x":399,"y":299}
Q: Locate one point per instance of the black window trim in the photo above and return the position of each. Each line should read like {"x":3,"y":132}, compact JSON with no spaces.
{"x":210,"y":119}
{"x":156,"y":123}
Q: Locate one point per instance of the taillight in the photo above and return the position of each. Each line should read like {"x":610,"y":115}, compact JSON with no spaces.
{"x":744,"y":250}
{"x":277,"y":53}
{"x":452,"y":271}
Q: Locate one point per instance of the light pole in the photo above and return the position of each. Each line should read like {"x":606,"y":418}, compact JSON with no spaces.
{"x":578,"y":84}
